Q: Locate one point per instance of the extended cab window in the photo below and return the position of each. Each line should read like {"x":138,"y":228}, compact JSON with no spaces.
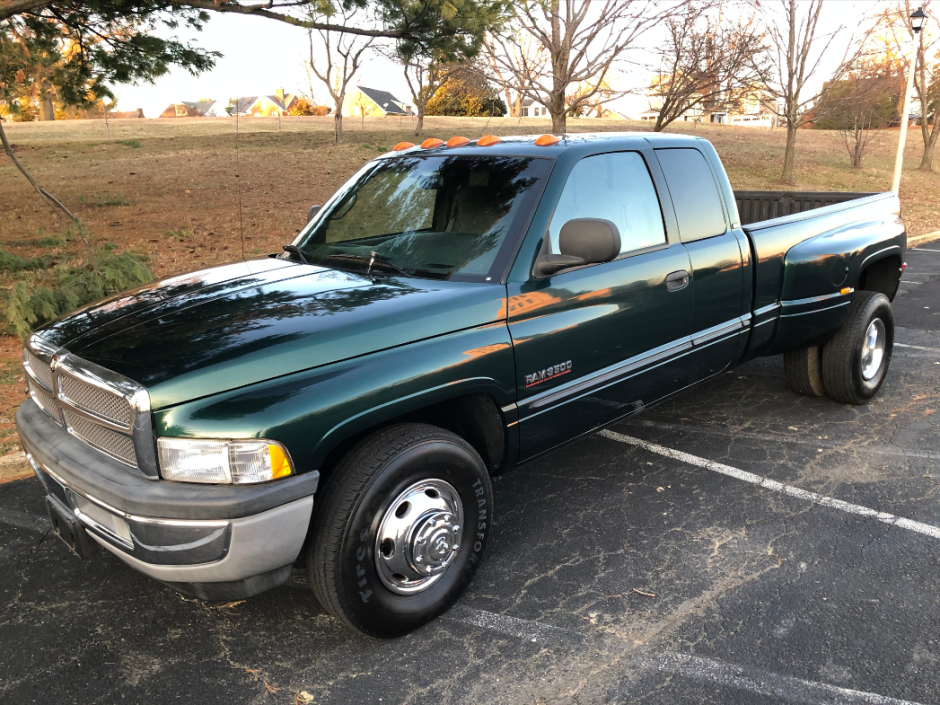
{"x":694,"y":193}
{"x":431,"y":216}
{"x":616,"y":187}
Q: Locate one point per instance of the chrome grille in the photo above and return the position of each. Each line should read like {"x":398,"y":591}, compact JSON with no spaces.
{"x":40,"y":370}
{"x":95,"y":400}
{"x":105,"y":410}
{"x":111,"y":442}
{"x":45,"y":400}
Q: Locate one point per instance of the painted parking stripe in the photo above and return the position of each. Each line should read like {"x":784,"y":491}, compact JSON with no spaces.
{"x":768,"y":683}
{"x":766,"y":483}
{"x":752,"y":680}
{"x":921,"y":249}
{"x":510,"y":626}
{"x":781,"y":438}
{"x":916,"y":347}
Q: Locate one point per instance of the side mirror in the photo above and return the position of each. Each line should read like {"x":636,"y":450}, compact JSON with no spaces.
{"x":582,"y":241}
{"x":314,"y":209}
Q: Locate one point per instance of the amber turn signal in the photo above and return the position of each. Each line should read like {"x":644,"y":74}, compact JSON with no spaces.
{"x":456,"y":141}
{"x":546,"y":140}
{"x":431,"y":143}
{"x":845,"y":290}
{"x":488,"y":140}
{"x":402,"y":145}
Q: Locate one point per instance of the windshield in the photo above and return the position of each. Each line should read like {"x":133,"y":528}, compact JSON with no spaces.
{"x":438,"y":217}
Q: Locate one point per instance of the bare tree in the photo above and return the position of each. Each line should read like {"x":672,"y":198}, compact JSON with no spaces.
{"x":798,"y":46}
{"x":514,"y":59}
{"x":579,"y":41}
{"x":706,"y":61}
{"x":343,"y":56}
{"x":894,"y":34}
{"x":861,"y":103}
{"x":424,"y":74}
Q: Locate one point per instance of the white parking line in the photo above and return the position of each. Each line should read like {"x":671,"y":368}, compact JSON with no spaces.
{"x":921,"y":249}
{"x":766,"y":483}
{"x":752,"y":680}
{"x":767,"y":683}
{"x":916,"y":347}
{"x":781,"y":438}
{"x":510,"y":626}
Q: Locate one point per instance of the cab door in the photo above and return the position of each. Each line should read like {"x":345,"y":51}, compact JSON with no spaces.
{"x":720,"y":318}
{"x":602,"y":341}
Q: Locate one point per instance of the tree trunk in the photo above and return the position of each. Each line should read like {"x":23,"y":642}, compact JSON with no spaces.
{"x":930,"y":141}
{"x":789,"y":156}
{"x":338,"y":118}
{"x":419,"y":123}
{"x":46,"y":109}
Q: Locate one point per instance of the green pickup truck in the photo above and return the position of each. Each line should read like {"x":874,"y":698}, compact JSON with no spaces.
{"x":452,"y":311}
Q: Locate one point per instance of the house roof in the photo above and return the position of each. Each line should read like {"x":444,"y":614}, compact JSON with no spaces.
{"x":202,"y":106}
{"x":243,"y":105}
{"x":381,"y":98}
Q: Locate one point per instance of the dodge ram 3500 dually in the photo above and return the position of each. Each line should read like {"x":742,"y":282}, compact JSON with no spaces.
{"x":452,"y":311}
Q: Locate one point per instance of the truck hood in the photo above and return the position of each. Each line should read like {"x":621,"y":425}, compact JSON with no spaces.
{"x":235,"y":325}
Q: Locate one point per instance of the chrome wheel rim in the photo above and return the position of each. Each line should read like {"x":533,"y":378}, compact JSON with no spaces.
{"x":419,"y":536}
{"x":873,"y":349}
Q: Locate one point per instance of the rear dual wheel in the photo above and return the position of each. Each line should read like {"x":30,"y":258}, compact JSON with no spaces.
{"x":851,"y":367}
{"x":400,"y":529}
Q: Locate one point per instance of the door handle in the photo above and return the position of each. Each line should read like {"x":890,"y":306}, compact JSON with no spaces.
{"x":677,"y":280}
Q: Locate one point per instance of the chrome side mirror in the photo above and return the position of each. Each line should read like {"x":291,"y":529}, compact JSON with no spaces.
{"x":314,"y":209}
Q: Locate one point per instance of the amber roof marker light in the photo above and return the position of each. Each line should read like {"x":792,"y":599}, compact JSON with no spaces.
{"x":457,"y":141}
{"x":431,"y":143}
{"x":547,"y":140}
{"x":402,"y":145}
{"x":488,"y":140}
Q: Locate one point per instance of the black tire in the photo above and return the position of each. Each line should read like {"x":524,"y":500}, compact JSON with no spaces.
{"x":341,"y":559}
{"x":803,"y":369}
{"x":842,"y":365}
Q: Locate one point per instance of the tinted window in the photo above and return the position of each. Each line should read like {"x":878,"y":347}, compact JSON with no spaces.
{"x":617,"y":187}
{"x":694,"y":193}
{"x":431,"y":216}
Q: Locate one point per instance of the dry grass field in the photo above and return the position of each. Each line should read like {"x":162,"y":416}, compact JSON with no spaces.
{"x":171,"y":189}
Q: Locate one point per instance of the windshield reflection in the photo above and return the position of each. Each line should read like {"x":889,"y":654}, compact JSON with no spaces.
{"x":431,"y":216}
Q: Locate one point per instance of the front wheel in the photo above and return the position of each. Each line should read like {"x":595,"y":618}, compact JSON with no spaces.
{"x":855,"y":361}
{"x":401,"y":527}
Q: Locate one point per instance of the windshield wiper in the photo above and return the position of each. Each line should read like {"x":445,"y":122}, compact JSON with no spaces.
{"x":372,"y":260}
{"x":294,"y":250}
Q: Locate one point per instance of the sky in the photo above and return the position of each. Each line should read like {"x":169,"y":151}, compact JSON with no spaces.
{"x":262,"y":55}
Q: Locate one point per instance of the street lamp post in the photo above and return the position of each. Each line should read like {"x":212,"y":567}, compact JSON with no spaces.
{"x":918,"y":17}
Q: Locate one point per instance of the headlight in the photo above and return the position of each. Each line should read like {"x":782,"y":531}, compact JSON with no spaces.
{"x":222,"y":462}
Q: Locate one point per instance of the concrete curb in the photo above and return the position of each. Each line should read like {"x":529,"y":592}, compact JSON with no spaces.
{"x":925,"y":238}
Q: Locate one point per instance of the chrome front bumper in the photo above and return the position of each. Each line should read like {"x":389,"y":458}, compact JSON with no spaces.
{"x":246,"y":543}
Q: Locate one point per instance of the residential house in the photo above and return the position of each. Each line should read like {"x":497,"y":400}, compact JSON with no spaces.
{"x":265,"y":105}
{"x":532,"y":108}
{"x":188,"y":108}
{"x":371,"y":102}
{"x":753,"y":109}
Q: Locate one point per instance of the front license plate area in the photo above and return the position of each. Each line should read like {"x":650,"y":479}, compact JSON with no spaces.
{"x":70,"y":530}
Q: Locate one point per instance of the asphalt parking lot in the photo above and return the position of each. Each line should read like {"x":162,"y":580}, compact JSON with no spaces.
{"x":739,"y":544}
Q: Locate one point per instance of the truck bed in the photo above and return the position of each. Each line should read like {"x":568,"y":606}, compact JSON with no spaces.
{"x":757,"y":206}
{"x":807,"y":245}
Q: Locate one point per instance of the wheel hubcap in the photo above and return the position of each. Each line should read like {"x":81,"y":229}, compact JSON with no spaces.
{"x":419,"y":536}
{"x":873,"y":349}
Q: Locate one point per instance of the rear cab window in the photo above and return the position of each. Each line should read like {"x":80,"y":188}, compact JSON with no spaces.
{"x":694,"y":193}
